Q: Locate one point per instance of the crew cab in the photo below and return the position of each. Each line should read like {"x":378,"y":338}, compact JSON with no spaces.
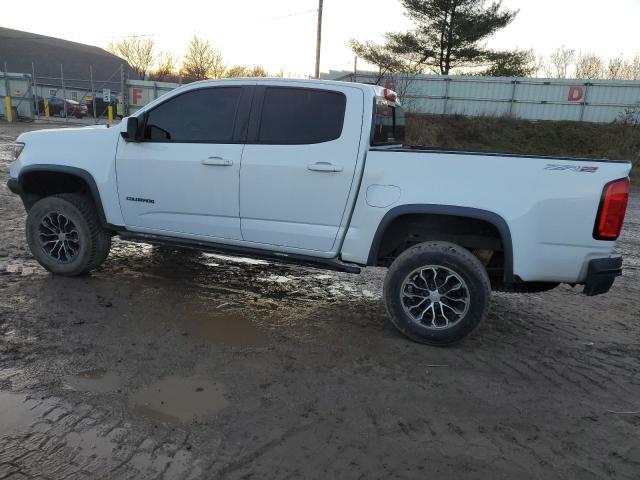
{"x":316,"y":173}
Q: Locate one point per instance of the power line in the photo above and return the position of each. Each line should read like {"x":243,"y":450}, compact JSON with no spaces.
{"x":282,"y":17}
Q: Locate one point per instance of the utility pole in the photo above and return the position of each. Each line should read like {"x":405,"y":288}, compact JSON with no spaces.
{"x":319,"y":39}
{"x":355,"y":69}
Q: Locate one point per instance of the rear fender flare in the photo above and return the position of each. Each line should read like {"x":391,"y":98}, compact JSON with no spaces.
{"x":453,"y":210}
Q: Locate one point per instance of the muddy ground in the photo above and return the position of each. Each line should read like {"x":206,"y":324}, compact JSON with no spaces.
{"x":186,"y":365}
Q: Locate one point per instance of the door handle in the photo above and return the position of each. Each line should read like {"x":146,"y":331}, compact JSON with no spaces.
{"x":324,"y":167}
{"x":217,"y":162}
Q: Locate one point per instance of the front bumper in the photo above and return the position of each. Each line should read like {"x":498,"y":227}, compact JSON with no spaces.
{"x":601,"y":273}
{"x":14,"y":186}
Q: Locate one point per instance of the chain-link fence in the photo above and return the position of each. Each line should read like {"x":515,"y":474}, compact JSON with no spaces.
{"x":17,"y":95}
{"x":30,"y":95}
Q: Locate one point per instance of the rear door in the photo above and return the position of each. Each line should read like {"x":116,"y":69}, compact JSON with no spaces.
{"x":298,"y":166}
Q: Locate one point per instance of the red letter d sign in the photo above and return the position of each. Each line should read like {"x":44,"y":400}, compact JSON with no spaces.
{"x":576,"y":94}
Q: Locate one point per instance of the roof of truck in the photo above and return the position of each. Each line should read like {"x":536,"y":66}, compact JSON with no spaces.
{"x":376,"y":90}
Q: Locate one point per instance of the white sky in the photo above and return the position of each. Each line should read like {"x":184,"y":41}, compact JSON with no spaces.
{"x":280,"y":34}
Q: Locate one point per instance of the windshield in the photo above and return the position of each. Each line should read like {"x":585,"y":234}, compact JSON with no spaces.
{"x":388,"y":124}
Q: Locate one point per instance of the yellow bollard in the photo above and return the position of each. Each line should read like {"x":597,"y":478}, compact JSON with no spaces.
{"x":46,"y":109}
{"x":109,"y":114}
{"x":7,"y":104}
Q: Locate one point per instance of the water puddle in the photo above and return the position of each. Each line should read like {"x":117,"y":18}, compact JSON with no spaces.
{"x":175,"y":400}
{"x":223,"y":327}
{"x":16,"y":412}
{"x":94,"y":381}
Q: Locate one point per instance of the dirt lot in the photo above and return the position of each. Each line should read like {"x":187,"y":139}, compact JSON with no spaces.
{"x":186,"y":365}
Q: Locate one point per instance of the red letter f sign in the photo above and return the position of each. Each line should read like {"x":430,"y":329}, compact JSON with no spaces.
{"x":136,"y":96}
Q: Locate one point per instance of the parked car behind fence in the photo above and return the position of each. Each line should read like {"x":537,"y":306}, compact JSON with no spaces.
{"x":56,"y":107}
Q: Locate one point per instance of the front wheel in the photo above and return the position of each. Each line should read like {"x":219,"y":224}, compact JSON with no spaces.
{"x":65,"y":236}
{"x":437,"y":293}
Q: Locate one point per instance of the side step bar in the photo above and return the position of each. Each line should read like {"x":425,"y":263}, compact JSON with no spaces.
{"x":236,"y":251}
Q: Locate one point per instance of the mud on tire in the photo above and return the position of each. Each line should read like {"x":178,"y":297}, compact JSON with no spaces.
{"x":437,"y":293}
{"x":65,"y":236}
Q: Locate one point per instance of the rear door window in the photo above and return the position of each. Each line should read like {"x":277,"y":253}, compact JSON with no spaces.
{"x":298,"y":116}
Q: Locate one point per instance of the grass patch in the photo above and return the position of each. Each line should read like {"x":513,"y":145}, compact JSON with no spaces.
{"x":613,"y":141}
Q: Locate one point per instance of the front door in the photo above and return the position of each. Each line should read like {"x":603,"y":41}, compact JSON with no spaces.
{"x":183,"y":176}
{"x":298,"y":165}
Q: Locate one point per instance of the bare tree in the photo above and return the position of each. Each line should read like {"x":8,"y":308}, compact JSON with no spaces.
{"x":560,"y":62}
{"x":138,"y":52}
{"x":258,"y":71}
{"x":236,"y":71}
{"x":166,"y":67}
{"x":541,"y":65}
{"x":635,"y":68}
{"x":589,"y":65}
{"x":242,"y":71}
{"x":618,"y":69}
{"x":202,"y":60}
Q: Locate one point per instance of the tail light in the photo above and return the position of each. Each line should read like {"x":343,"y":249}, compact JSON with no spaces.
{"x":390,"y":95}
{"x":613,"y":206}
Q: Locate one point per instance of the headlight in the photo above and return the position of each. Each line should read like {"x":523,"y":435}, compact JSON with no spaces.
{"x":17,"y":150}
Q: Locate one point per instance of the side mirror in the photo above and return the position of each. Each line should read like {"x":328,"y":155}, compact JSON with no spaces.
{"x":130,"y":133}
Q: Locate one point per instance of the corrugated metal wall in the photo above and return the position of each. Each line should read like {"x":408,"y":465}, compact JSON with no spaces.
{"x":142,"y":92}
{"x":19,"y":88}
{"x":530,"y":98}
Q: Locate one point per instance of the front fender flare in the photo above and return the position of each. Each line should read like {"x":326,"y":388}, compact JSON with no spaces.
{"x":78,"y":172}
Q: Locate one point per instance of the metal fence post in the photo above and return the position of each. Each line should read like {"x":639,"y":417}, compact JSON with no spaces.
{"x":513,"y":96}
{"x":124,"y":99}
{"x":584,"y":100}
{"x":93,"y":94}
{"x":29,"y":96}
{"x":35,"y":89}
{"x":64,"y":94}
{"x":447,"y":81}
{"x":7,"y":95}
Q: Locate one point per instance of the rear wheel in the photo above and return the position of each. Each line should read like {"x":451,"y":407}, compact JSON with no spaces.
{"x":65,"y":236}
{"x":437,"y":293}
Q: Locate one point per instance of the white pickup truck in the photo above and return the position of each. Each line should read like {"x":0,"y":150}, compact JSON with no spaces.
{"x":315,"y":173}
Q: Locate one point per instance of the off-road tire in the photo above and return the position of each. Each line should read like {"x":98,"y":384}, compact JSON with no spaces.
{"x":454,"y":258}
{"x":94,"y":241}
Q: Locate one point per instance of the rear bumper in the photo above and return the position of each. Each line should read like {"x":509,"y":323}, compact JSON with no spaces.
{"x":601,"y":274}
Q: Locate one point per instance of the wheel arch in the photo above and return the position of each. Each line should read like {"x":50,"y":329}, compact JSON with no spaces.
{"x":28,"y":175}
{"x":497,"y":221}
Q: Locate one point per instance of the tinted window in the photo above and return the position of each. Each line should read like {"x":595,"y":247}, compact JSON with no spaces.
{"x":388,"y":125}
{"x":206,"y":115}
{"x":294,"y":116}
